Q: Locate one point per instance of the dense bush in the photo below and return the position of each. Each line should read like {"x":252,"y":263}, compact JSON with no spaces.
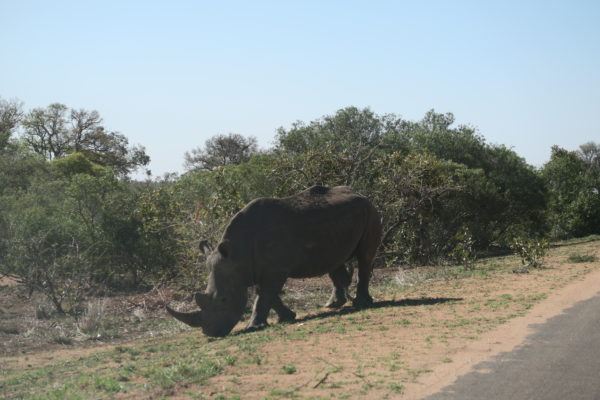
{"x":430,"y":180}
{"x":74,"y":227}
{"x":71,"y":221}
{"x":573,"y":181}
{"x":531,"y":251}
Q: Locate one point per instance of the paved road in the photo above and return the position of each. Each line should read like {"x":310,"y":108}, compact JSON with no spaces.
{"x":560,"y":361}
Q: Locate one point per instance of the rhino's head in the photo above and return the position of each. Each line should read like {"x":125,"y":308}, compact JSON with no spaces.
{"x":225,"y":298}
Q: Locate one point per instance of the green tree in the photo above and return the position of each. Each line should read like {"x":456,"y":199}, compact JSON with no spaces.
{"x":574,"y":199}
{"x":43,"y":246}
{"x":590,"y":153}
{"x":424,"y":204}
{"x":77,"y":225}
{"x":221,"y":150}
{"x":513,"y":193}
{"x":353,"y":137}
{"x":56,"y":131}
{"x":10,"y":116}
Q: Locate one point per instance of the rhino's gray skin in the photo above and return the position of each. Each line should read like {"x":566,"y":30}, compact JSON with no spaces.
{"x":306,"y":235}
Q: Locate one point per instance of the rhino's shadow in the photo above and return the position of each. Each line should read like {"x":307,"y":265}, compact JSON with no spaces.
{"x":423,"y":301}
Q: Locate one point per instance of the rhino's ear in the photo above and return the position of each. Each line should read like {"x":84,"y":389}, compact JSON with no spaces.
{"x":224,"y":248}
{"x":205,"y":247}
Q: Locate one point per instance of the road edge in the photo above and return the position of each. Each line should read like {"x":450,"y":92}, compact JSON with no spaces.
{"x":513,"y":333}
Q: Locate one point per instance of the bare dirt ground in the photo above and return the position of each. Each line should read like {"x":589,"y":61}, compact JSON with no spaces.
{"x":428,"y":326}
{"x":29,"y":324}
{"x":399,"y":348}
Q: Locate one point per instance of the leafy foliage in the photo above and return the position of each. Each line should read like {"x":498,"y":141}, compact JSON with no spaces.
{"x":573,"y":181}
{"x":56,"y":131}
{"x":77,"y":227}
{"x":463,"y":250}
{"x":10,"y":117}
{"x":427,"y":178}
{"x":221,"y":150}
{"x":71,"y":221}
{"x":531,"y":252}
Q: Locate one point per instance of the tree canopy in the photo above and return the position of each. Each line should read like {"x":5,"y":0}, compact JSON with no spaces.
{"x":10,"y":116}
{"x":56,"y":131}
{"x":221,"y":150}
{"x":70,"y":217}
{"x":573,"y":182}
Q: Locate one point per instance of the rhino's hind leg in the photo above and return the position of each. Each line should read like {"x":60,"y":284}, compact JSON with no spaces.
{"x":284,"y":314}
{"x":363,"y":299}
{"x":365,"y":254}
{"x":341,"y":279}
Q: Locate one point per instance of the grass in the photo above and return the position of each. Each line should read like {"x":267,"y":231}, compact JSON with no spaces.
{"x":581,"y":258}
{"x":186,"y":362}
{"x":10,"y":329}
{"x":289,"y":369}
{"x":107,"y":384}
{"x":132,"y":369}
{"x":576,"y":241}
{"x":62,"y":339}
{"x":397,"y":388}
{"x":190,"y":371}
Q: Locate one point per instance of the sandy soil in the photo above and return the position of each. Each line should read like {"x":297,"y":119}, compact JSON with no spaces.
{"x":505,"y":338}
{"x":425,"y":331}
{"x":422,"y":342}
{"x":8,"y":281}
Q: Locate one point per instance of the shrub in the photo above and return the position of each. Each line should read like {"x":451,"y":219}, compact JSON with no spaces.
{"x":289,"y":369}
{"x":464,"y":251}
{"x":92,"y":320}
{"x":531,"y":252}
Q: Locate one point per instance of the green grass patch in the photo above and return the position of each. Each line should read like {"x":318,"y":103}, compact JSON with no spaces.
{"x":397,"y":388}
{"x":162,"y":367}
{"x":574,"y":241}
{"x":107,"y":384}
{"x":60,"y":393}
{"x":183,"y":371}
{"x":501,"y":302}
{"x":289,"y":369}
{"x":127,"y":350}
{"x":581,"y":258}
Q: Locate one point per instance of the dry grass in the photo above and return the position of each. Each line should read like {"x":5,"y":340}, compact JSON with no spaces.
{"x":422,"y":318}
{"x":92,"y":320}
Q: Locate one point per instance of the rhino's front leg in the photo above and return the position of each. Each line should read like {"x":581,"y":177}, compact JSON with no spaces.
{"x":284,"y":314}
{"x":260,"y":311}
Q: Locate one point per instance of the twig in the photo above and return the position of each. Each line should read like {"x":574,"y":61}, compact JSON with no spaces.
{"x":303,"y":384}
{"x":361,"y":377}
{"x":328,"y":363}
{"x":338,"y":367}
{"x":322,"y":379}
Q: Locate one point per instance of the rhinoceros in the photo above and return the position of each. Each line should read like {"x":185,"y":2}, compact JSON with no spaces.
{"x":312,"y":233}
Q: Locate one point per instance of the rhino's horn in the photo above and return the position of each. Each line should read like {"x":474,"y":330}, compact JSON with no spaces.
{"x":193,"y":319}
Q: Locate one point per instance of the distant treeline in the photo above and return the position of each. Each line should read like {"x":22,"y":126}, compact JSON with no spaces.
{"x":72,"y":221}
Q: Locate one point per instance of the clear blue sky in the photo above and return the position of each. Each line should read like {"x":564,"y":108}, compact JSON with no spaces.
{"x":169,"y":75}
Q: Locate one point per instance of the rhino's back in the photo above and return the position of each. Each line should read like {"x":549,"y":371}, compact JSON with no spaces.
{"x":307,"y":234}
{"x":318,"y":206}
